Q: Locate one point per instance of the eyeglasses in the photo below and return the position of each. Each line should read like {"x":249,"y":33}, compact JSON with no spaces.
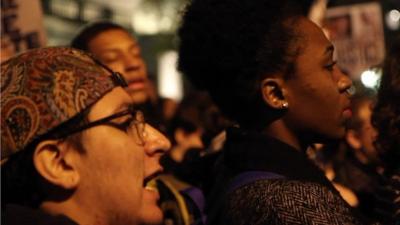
{"x":135,"y":124}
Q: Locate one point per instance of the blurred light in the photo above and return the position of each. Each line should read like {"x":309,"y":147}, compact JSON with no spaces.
{"x":169,"y":79}
{"x":394,"y":15}
{"x":370,"y":78}
{"x":393,"y":19}
{"x":91,"y":12}
{"x":145,"y":23}
{"x":69,"y":9}
{"x":151,"y":23}
{"x":154,"y":17}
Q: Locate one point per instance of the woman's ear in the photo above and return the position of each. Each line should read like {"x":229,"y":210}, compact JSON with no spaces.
{"x":55,"y":161}
{"x":273,"y":93}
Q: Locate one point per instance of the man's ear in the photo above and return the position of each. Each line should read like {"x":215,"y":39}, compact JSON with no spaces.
{"x":54,"y":160}
{"x":273,"y":93}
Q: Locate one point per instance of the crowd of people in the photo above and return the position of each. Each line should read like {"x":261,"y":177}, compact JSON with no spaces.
{"x":272,"y":134}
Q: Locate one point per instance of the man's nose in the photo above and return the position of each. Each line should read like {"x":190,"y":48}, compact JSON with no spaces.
{"x":132,"y":62}
{"x":155,"y":141}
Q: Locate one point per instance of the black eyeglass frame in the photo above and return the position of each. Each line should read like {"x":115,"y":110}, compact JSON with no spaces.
{"x":103,"y":121}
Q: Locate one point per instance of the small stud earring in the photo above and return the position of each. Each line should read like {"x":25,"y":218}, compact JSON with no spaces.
{"x":285,"y":105}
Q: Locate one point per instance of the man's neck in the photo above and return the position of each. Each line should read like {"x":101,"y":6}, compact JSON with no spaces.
{"x":67,"y":208}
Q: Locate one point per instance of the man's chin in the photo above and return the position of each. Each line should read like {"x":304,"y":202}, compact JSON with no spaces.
{"x":139,"y":97}
{"x":152,"y":216}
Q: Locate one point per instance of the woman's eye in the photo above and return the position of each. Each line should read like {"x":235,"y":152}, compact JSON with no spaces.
{"x":330,"y":66}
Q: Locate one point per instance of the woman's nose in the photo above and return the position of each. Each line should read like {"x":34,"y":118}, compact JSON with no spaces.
{"x":344,"y":82}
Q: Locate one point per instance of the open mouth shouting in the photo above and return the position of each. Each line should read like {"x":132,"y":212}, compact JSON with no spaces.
{"x":149,"y":183}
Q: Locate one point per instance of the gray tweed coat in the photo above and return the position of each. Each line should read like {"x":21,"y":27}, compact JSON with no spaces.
{"x":303,"y":196}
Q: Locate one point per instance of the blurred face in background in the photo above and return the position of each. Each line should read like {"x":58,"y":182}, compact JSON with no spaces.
{"x":367,"y":132}
{"x":362,"y":136}
{"x":117,"y":49}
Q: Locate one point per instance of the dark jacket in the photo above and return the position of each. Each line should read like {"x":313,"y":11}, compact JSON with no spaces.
{"x":304,"y":196}
{"x":387,"y":205}
{"x":20,"y":215}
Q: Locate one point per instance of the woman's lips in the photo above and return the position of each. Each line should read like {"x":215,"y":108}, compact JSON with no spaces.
{"x":347,"y":113}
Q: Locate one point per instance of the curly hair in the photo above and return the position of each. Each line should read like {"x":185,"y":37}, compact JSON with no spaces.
{"x":228,"y":47}
{"x":198,"y":111}
{"x":386,"y":114}
{"x":81,"y":41}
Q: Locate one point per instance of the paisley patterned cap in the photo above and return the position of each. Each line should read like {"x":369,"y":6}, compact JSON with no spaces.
{"x":42,"y":88}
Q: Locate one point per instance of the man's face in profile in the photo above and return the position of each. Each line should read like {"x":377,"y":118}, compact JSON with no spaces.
{"x":120,"y":51}
{"x":117,"y":166}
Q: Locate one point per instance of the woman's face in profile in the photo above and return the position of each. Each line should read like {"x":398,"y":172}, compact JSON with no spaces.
{"x":317,"y":97}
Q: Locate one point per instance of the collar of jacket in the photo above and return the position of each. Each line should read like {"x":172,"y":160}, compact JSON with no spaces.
{"x":249,"y":151}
